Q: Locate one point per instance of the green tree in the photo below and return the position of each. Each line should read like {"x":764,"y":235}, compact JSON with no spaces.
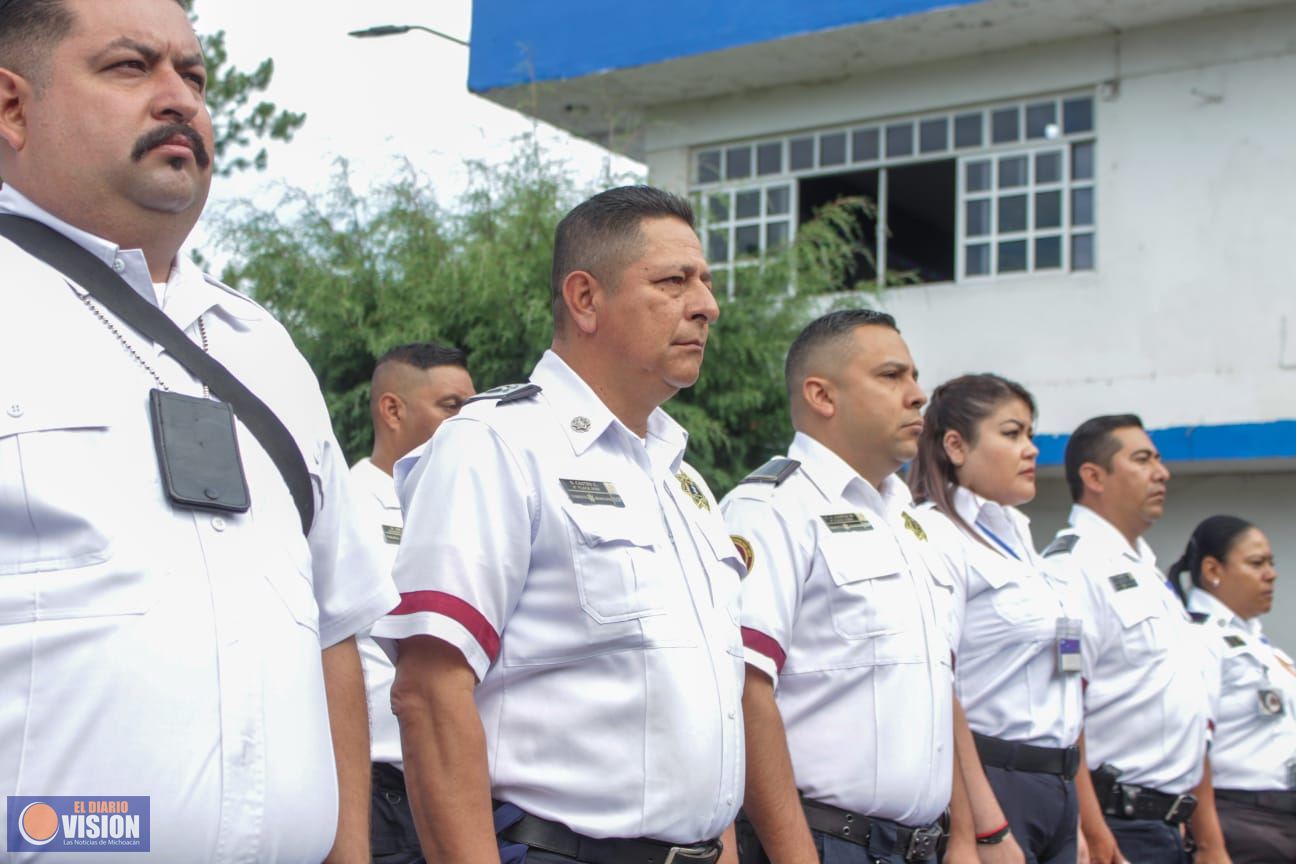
{"x":350,"y":275}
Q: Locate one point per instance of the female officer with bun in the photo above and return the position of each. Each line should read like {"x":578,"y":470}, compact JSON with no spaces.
{"x":1253,"y":757}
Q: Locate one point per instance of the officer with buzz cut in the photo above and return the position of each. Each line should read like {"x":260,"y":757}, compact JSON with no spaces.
{"x":1147,"y":690}
{"x":568,"y":645}
{"x":848,"y":621}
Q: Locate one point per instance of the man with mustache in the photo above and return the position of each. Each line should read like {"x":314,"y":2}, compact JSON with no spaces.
{"x":1146,"y":704}
{"x":848,"y":621}
{"x":568,"y":645}
{"x":178,"y":598}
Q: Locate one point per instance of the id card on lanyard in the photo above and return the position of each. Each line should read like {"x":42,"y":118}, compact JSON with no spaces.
{"x":1068,"y":645}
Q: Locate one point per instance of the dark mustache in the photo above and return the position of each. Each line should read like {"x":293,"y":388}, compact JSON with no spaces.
{"x":162,"y":134}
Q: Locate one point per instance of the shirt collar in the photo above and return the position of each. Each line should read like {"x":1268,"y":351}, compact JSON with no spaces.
{"x":376,"y":482}
{"x":835,"y":479}
{"x":189,"y":292}
{"x":1203,"y":601}
{"x":579,"y":408}
{"x":973,"y":508}
{"x":1087,"y":521}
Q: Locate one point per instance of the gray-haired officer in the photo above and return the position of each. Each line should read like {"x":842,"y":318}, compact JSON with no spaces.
{"x":1147,"y":703}
{"x":568,"y":627}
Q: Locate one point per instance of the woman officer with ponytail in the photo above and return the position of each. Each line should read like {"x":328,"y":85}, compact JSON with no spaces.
{"x":1253,"y":757}
{"x":1018,"y":661}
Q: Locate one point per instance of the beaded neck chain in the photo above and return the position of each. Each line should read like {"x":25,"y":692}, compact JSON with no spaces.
{"x":113,"y":329}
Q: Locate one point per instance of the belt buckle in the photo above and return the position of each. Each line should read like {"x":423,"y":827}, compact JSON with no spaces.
{"x":1184,"y":803}
{"x":922,"y":843}
{"x":707,"y":853}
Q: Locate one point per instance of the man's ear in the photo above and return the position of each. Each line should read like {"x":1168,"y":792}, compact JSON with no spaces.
{"x":582,"y":293}
{"x":1093,"y":477}
{"x":15,"y":93}
{"x":819,"y":395}
{"x":390,"y":410}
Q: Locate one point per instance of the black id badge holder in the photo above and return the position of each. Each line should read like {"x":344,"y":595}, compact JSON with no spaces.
{"x":198,"y":453}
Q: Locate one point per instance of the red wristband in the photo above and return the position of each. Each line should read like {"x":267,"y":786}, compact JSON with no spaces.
{"x":995,"y":836}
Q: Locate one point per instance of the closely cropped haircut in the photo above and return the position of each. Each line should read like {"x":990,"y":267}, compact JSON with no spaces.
{"x":1212,"y":538}
{"x":424,"y":355}
{"x":602,"y":234}
{"x":824,"y":331}
{"x":959,"y":404}
{"x":1093,"y":441}
{"x":29,"y":31}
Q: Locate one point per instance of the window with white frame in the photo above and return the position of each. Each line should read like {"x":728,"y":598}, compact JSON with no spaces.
{"x":961,"y":195}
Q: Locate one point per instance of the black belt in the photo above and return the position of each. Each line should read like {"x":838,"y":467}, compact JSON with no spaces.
{"x":1138,"y":802}
{"x":559,"y":839}
{"x":1279,"y":802}
{"x":1011,"y":756}
{"x":913,"y":844}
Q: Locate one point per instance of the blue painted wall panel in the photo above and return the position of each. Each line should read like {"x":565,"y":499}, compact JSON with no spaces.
{"x":1276,"y":440}
{"x":520,"y":41}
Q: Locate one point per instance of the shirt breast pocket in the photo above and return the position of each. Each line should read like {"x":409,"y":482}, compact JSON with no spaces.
{"x":612,"y":553}
{"x":59,"y":515}
{"x":1141,"y":622}
{"x":56,"y":511}
{"x":870,"y":584}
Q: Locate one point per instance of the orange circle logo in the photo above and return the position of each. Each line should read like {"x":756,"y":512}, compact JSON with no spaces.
{"x":38,"y":823}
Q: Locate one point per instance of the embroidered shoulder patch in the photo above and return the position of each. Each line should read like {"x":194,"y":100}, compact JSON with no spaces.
{"x":745,"y":551}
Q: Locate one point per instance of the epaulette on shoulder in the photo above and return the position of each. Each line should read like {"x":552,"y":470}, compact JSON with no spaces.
{"x":1061,"y":545}
{"x":1199,"y":617}
{"x":506,"y":393}
{"x":773,"y":472}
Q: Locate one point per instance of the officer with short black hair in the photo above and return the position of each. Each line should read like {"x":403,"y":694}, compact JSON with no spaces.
{"x":1146,"y":699}
{"x":848,"y":620}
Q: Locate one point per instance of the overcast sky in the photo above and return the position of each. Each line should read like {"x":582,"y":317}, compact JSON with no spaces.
{"x":373,"y":101}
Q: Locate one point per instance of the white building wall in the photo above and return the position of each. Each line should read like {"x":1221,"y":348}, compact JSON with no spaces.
{"x":1190,"y":314}
{"x":1190,"y":317}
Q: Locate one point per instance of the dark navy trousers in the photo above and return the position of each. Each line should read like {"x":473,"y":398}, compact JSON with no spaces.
{"x":1042,"y":811}
{"x":1148,"y":841}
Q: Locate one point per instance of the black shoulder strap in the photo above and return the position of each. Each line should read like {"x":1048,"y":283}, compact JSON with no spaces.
{"x":122,"y":300}
{"x":774,"y":471}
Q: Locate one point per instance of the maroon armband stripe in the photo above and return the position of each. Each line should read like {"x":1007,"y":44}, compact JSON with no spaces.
{"x":758,"y":641}
{"x":456,"y":610}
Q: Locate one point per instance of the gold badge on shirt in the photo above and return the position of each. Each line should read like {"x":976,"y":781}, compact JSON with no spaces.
{"x":914,"y":528}
{"x":692,"y":490}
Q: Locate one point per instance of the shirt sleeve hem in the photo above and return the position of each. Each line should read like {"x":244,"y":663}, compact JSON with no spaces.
{"x":393,"y":628}
{"x":338,"y":628}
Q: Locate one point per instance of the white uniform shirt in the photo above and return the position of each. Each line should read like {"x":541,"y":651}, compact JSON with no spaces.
{"x":1148,"y":682}
{"x":147,"y":649}
{"x":1006,"y":674}
{"x":847,"y":610}
{"x":596,"y":599}
{"x":1255,"y":727}
{"x":380,"y":520}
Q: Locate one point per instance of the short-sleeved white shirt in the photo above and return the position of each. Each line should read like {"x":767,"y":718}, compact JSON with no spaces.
{"x":847,"y":609}
{"x":147,"y":649}
{"x":380,"y":520}
{"x":1254,"y":746}
{"x":587,"y":577}
{"x":1148,"y":680}
{"x":1007,"y":676}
